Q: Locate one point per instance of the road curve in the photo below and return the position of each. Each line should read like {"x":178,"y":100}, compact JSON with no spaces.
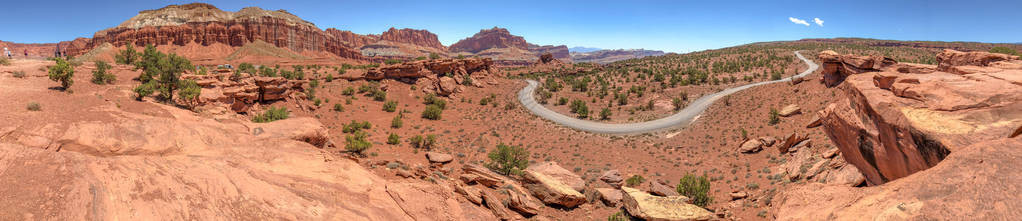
{"x":681,"y":119}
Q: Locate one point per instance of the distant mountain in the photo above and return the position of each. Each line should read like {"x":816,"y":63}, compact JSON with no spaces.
{"x":608,"y":56}
{"x":505,"y":48}
{"x":583,"y":49}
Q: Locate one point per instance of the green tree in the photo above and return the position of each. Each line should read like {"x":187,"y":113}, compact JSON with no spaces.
{"x":128,"y":56}
{"x":605,"y":114}
{"x":100,"y":75}
{"x":508,"y":160}
{"x":695,"y":188}
{"x":62,"y":72}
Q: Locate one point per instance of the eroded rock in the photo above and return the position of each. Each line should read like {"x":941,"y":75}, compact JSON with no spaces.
{"x":648,"y":207}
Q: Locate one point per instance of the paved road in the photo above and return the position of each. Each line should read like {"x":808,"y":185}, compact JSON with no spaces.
{"x":681,"y":119}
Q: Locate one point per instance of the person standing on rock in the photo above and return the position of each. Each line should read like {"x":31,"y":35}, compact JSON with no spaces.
{"x":7,"y":52}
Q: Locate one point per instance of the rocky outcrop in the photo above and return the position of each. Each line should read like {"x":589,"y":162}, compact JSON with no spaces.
{"x":559,"y":52}
{"x":422,"y":38}
{"x":566,"y":177}
{"x":206,"y":25}
{"x":435,"y":157}
{"x":440,"y":76}
{"x":350,"y":39}
{"x":894,"y":124}
{"x":612,"y":178}
{"x":238,"y":95}
{"x":608,"y":56}
{"x":648,"y":207}
{"x":610,"y":196}
{"x":489,"y":38}
{"x":836,"y":67}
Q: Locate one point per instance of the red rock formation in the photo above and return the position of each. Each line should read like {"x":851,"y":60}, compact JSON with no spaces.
{"x":350,"y":39}
{"x":422,"y":38}
{"x":894,"y":124}
{"x":489,"y":38}
{"x":205,"y":25}
{"x":34,"y":50}
{"x":837,"y":67}
{"x":241,"y":94}
{"x":560,"y":51}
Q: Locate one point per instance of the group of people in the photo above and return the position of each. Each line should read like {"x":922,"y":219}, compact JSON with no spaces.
{"x":10,"y":55}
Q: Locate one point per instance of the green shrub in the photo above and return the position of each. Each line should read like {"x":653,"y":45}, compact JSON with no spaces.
{"x":1004,"y":50}
{"x":393,"y":139}
{"x":329,"y":77}
{"x":434,"y":100}
{"x":774,"y":116}
{"x":427,"y":142}
{"x":776,"y":75}
{"x":33,"y":106}
{"x":678,"y":104}
{"x":247,"y":68}
{"x":100,"y":75}
{"x":270,"y":115}
{"x":695,"y":188}
{"x":390,"y":106}
{"x":379,"y":95}
{"x":634,"y":181}
{"x":4,"y":61}
{"x":562,"y":101}
{"x":62,"y":72}
{"x":338,"y":107}
{"x":396,"y":122}
{"x":420,"y":58}
{"x":605,"y":114}
{"x":432,"y":112}
{"x":355,"y":126}
{"x":189,"y":92}
{"x":348,"y":91}
{"x":434,"y":56}
{"x":18,"y":74}
{"x":357,"y":143}
{"x":580,"y":108}
{"x":508,"y":160}
{"x":267,"y":71}
{"x":144,"y":90}
{"x":618,"y":216}
{"x":392,"y":61}
{"x":162,"y":71}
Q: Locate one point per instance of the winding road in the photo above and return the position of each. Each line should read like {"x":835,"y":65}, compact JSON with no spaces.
{"x":681,"y":119}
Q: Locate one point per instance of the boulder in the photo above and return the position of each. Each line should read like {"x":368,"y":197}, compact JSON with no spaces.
{"x":792,"y":139}
{"x":948,"y":59}
{"x":435,"y":157}
{"x":648,"y":207}
{"x":847,"y":176}
{"x":566,"y":177}
{"x":496,"y":206}
{"x":659,"y":187}
{"x":751,"y":146}
{"x":768,"y":140}
{"x":551,"y":191}
{"x":737,"y":195}
{"x":610,"y":196}
{"x":815,"y":122}
{"x":522,"y":203}
{"x":472,"y":194}
{"x":790,"y":110}
{"x":830,"y":153}
{"x":612,"y":178}
{"x":448,"y":86}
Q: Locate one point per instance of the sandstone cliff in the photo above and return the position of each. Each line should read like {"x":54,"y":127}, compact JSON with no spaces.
{"x":205,"y":24}
{"x":489,"y":38}
{"x":422,"y":38}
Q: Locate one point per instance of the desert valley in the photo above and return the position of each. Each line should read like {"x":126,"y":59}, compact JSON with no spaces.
{"x":190,"y":112}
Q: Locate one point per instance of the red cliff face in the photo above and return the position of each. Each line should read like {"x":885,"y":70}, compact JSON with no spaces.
{"x":422,"y":38}
{"x":206,"y":25}
{"x":559,"y":52}
{"x":352,"y":40}
{"x":491,"y":38}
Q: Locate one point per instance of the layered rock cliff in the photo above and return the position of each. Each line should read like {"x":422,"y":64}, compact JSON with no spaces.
{"x":422,"y":38}
{"x":608,"y":56}
{"x":489,"y":38}
{"x":205,"y":25}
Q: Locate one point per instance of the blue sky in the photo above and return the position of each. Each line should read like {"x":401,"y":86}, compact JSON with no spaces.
{"x":675,"y":26}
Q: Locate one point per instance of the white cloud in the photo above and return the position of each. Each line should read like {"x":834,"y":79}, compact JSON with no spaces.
{"x":818,"y":21}
{"x":798,"y":21}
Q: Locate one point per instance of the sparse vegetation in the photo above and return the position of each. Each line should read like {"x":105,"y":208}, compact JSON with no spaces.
{"x":356,"y":143}
{"x":605,"y":114}
{"x":128,"y":56}
{"x":272,"y":114}
{"x":33,"y":106}
{"x":427,"y":142}
{"x":393,"y":139}
{"x":580,"y":108}
{"x":432,"y":112}
{"x":508,"y":159}
{"x":356,"y":126}
{"x":18,"y":74}
{"x":338,"y":107}
{"x":189,"y":92}
{"x":390,"y":106}
{"x":774,"y":117}
{"x":634,"y":181}
{"x":100,"y":75}
{"x":397,"y":122}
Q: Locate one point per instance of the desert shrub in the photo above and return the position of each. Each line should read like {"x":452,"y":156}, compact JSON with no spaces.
{"x":434,"y":56}
{"x":432,"y":112}
{"x":562,"y":101}
{"x":18,"y":74}
{"x":434,"y":100}
{"x":397,"y":122}
{"x":379,"y":95}
{"x":393,"y":139}
{"x":427,"y":142}
{"x":348,"y":91}
{"x":329,"y":77}
{"x":100,"y":75}
{"x":314,"y":83}
{"x":696,"y":188}
{"x":392,"y":61}
{"x":776,"y":75}
{"x":267,"y":71}
{"x":190,"y":91}
{"x":390,"y":106}
{"x":33,"y":106}
{"x":678,"y":104}
{"x":508,"y":159}
{"x":317,"y":102}
{"x":634,"y":181}
{"x":128,"y":56}
{"x":461,"y":56}
{"x":202,"y":71}
{"x":580,"y":108}
{"x":605,"y":113}
{"x":248,"y":68}
{"x":270,"y":115}
{"x":62,"y":72}
{"x":356,"y":126}
{"x":144,"y":90}
{"x":161,"y":71}
{"x":618,"y":216}
{"x":357,"y":143}
{"x":419,"y":58}
{"x":467,"y":81}
{"x":774,"y":116}
{"x":338,"y":107}
{"x":4,"y":61}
